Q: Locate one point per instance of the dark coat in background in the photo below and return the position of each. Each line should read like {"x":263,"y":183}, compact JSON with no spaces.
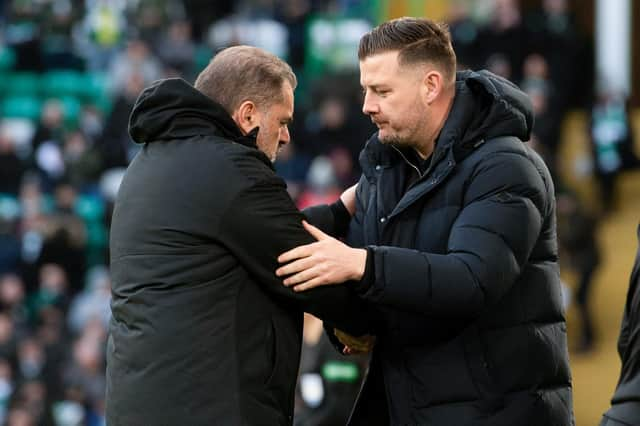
{"x":625,"y":404}
{"x":203,"y":332}
{"x":462,"y":268}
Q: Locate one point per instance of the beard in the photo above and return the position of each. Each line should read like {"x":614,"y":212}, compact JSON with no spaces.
{"x":408,"y":129}
{"x":398,"y":140}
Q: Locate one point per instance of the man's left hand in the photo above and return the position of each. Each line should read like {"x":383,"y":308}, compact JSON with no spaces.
{"x":325,"y":262}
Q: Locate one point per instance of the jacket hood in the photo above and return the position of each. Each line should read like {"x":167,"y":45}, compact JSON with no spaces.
{"x":487,"y":106}
{"x":173,"y":109}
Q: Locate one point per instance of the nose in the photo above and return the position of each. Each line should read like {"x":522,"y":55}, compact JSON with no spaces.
{"x":285,"y":137}
{"x":368,"y":105}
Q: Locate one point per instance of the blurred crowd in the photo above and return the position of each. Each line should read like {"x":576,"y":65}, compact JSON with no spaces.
{"x":70,"y":72}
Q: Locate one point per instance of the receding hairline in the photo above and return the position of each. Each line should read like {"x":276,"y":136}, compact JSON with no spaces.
{"x":414,"y":66}
{"x":263,"y":77}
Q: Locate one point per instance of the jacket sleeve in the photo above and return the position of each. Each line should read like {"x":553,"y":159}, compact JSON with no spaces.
{"x":355,"y":233}
{"x":260,"y":224}
{"x":490,"y":242}
{"x":332,"y":219}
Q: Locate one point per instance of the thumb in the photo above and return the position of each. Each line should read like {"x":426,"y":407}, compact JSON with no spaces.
{"x":315,"y":232}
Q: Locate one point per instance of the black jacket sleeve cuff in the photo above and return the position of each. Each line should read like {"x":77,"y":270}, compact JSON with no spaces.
{"x":366,"y":281}
{"x":341,"y":218}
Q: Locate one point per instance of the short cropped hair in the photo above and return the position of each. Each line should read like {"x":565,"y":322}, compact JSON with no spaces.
{"x":418,"y":40}
{"x":240,"y":73}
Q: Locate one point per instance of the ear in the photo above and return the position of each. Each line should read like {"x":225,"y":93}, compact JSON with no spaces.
{"x":432,"y":85}
{"x":246,"y":116}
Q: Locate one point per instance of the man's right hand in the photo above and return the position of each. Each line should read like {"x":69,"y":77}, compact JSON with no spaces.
{"x":355,"y":345}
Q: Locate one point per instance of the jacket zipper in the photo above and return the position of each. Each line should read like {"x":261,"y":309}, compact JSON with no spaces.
{"x":409,"y":162}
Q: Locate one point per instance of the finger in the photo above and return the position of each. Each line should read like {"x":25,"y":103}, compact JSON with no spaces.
{"x":295,"y":266}
{"x":308,"y":285}
{"x":301,"y":277}
{"x":296,"y":253}
{"x":344,"y":338}
{"x":360,"y":347}
{"x":315,"y":232}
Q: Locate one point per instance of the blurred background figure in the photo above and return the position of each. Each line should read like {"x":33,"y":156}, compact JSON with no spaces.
{"x":577,"y":229}
{"x":612,"y":143}
{"x":328,"y":382}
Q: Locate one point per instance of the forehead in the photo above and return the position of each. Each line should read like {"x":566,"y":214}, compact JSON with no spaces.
{"x":376,"y":68}
{"x":285,"y":107}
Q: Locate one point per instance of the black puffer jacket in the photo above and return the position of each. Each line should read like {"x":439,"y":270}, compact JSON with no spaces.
{"x":463,"y":271}
{"x":203,"y":332}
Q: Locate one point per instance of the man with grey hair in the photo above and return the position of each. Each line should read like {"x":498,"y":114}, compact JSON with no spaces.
{"x":202,"y":330}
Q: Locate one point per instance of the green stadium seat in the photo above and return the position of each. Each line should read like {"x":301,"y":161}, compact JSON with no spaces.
{"x":7,"y":58}
{"x":202,"y":57}
{"x":21,"y":107}
{"x":21,"y":84}
{"x":95,"y":86}
{"x":59,"y":83}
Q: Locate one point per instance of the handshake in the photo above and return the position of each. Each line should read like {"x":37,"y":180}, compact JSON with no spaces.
{"x":355,"y":345}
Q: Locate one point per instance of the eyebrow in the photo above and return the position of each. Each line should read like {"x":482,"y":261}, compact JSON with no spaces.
{"x":375,"y":87}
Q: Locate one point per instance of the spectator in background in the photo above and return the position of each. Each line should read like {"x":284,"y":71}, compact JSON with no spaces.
{"x":82,"y":162}
{"x":292,"y":166}
{"x":32,"y":397}
{"x":65,"y":237}
{"x":33,"y":210}
{"x":8,"y":338}
{"x":577,"y":230}
{"x":11,"y":167}
{"x":57,"y":44}
{"x":93,"y":302}
{"x":9,"y":236}
{"x":625,"y":404}
{"x":611,"y":142}
{"x":137,"y":61}
{"x":51,"y":124}
{"x":176,"y":49}
{"x":330,"y":126}
{"x":150,"y":19}
{"x":13,"y":302}
{"x":52,"y":293}
{"x":464,"y":34}
{"x":23,"y":34}
{"x":101,"y":32}
{"x":20,"y":416}
{"x":499,"y":64}
{"x":294,"y":14}
{"x":115,"y":146}
{"x":10,"y":247}
{"x":322,"y":185}
{"x":6,"y":388}
{"x":545,"y":138}
{"x":554,"y":34}
{"x":86,"y":374}
{"x":505,"y":35}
